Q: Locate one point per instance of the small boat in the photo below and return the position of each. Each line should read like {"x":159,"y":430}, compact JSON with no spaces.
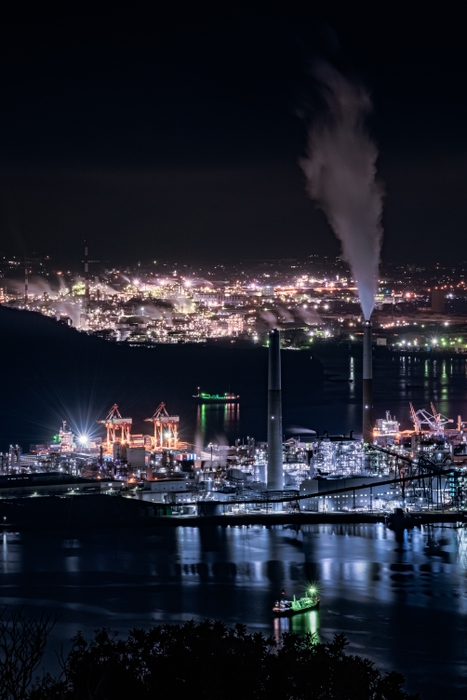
{"x":291,"y":607}
{"x":216,"y":398}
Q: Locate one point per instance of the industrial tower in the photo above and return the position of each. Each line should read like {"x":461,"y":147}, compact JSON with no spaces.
{"x":165,"y":428}
{"x":118,"y":428}
{"x":367,"y":418}
{"x":275,"y":478}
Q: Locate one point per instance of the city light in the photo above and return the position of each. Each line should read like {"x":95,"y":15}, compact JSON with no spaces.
{"x":144,"y":304}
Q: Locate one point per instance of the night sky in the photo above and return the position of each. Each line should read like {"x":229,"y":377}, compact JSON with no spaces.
{"x":173,"y":133}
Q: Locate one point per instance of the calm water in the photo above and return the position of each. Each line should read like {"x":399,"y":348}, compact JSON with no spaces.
{"x":402,"y":601}
{"x":336,"y":405}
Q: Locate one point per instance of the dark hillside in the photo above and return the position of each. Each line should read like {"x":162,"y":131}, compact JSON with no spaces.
{"x":51,"y":372}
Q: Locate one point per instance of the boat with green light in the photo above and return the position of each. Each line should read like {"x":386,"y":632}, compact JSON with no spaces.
{"x":309,"y":601}
{"x":228,"y":397}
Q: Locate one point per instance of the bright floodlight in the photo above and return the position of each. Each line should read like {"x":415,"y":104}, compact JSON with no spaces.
{"x":83,"y":440}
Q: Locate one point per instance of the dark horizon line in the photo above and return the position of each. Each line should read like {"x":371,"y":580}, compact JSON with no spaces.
{"x":75,"y":261}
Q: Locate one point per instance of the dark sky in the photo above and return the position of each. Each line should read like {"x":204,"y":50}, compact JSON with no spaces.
{"x":172,"y":132}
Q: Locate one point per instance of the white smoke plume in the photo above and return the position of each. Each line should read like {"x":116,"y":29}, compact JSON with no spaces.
{"x":309,"y":316}
{"x":70,"y":310}
{"x":105,"y":290}
{"x":284,"y":315}
{"x":37,"y":286}
{"x":340,"y":168}
{"x":269,"y":318}
{"x":197,"y":282}
{"x":151,"y":312}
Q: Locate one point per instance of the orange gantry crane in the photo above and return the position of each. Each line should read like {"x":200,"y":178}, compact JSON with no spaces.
{"x":165,"y":429}
{"x":118,"y":428}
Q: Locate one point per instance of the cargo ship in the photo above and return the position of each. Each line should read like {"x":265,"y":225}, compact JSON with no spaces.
{"x":291,"y":607}
{"x":228,"y":397}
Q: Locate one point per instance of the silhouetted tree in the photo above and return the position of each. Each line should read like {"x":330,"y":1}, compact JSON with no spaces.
{"x":209,"y":660}
{"x":22,"y":645}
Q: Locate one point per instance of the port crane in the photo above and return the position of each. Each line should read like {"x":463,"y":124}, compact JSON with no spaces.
{"x":118,"y":428}
{"x":165,"y":428}
{"x":435,"y":421}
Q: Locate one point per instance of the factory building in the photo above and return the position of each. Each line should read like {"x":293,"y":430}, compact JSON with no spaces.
{"x":375,"y":496}
{"x":338,"y":456}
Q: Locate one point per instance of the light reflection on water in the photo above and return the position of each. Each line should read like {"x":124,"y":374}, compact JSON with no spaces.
{"x":400,"y":599}
{"x":217,"y":420}
{"x":335,"y":403}
{"x":304,"y":623}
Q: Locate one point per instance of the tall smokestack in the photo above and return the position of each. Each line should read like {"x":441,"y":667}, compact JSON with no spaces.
{"x":275,"y":478}
{"x":367,"y":383}
{"x":86,"y":272}
{"x":26,"y":284}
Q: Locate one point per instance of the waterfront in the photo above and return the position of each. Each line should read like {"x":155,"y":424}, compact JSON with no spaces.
{"x":402,"y":600}
{"x":324,"y":395}
{"x":335,"y":404}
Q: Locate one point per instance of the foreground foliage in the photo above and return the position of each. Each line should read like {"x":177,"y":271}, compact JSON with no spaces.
{"x":22,"y":646}
{"x":208,"y":660}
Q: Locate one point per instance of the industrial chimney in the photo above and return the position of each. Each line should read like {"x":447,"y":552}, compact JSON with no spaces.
{"x":26,"y":284}
{"x":368,"y":420}
{"x":86,"y":273}
{"x":275,"y":477}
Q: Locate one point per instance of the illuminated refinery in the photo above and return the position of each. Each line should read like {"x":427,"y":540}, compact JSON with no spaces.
{"x":420,"y":469}
{"x":313,"y":300}
{"x":311,"y":303}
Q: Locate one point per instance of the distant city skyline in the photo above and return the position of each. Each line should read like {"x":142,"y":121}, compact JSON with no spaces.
{"x":312,"y":300}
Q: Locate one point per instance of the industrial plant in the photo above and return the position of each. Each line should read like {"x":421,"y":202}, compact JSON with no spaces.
{"x":312,"y":300}
{"x":380,"y":468}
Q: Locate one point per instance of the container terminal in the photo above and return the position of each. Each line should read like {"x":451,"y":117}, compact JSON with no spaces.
{"x":416,"y":472}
